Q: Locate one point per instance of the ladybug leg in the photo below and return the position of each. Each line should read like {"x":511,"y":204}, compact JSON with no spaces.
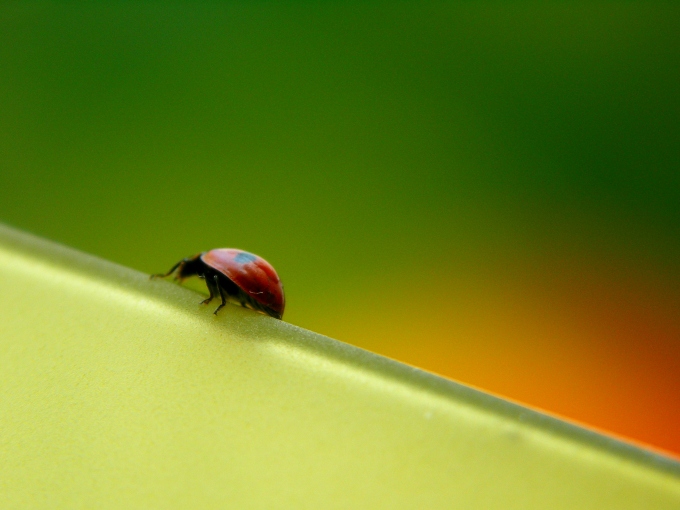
{"x":222,"y":294}
{"x":212,"y":288}
{"x":172,"y":270}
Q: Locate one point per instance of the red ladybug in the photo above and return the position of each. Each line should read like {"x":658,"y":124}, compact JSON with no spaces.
{"x":228,"y":272}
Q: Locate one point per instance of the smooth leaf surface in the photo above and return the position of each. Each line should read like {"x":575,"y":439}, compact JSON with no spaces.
{"x":120,"y":392}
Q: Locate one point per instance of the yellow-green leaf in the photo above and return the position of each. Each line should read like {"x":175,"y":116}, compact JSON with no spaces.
{"x":120,"y":392}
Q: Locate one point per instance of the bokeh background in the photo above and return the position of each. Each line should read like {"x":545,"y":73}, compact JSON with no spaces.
{"x":491,"y":193}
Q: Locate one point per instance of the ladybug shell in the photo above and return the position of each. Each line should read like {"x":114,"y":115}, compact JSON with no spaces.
{"x":254,"y":275}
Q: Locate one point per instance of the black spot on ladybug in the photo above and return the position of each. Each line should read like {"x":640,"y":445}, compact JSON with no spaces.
{"x":244,"y":258}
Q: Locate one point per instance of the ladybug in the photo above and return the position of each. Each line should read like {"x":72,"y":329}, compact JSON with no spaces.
{"x":236,"y":274}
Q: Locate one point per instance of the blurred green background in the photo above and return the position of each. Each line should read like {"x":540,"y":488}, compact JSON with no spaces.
{"x":488,"y":192}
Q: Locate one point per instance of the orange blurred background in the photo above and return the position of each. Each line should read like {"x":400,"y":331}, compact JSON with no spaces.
{"x":595,"y":345}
